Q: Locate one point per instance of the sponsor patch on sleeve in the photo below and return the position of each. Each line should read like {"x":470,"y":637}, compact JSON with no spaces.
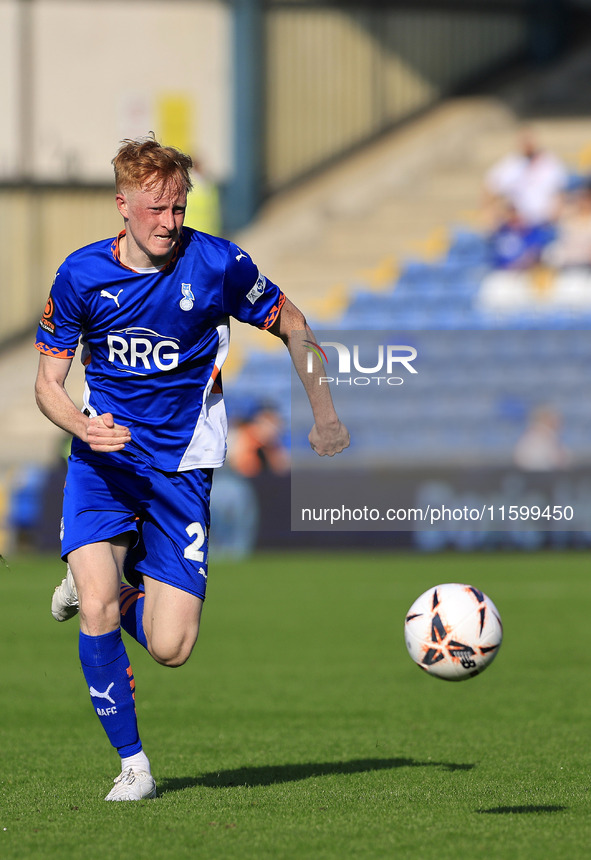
{"x":47,"y":322}
{"x":258,"y":290}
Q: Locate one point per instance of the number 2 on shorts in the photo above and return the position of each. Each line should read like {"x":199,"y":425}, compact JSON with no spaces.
{"x":193,"y":551}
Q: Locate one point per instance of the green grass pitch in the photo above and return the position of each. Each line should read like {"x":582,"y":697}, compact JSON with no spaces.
{"x":300,"y":728}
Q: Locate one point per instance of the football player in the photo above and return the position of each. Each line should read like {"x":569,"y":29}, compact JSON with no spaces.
{"x":151,"y":309}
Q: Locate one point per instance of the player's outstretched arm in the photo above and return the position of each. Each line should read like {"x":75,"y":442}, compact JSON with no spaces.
{"x":101,"y":433}
{"x":328,"y":435}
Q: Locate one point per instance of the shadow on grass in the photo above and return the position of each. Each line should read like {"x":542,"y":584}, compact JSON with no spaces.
{"x":521,"y":810}
{"x":273,"y":774}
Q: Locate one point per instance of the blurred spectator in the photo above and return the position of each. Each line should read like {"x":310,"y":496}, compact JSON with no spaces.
{"x":203,"y":204}
{"x":25,"y":505}
{"x":255,"y":445}
{"x":540,"y":448}
{"x":48,"y":529}
{"x":516,"y":244}
{"x":235,"y":515}
{"x":532,"y":179}
{"x":572,"y":245}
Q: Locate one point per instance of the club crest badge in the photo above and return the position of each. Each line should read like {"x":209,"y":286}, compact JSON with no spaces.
{"x":188,"y":299}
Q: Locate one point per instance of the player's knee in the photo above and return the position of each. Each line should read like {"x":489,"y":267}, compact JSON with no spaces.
{"x":170,"y":659}
{"x":98,"y":616}
{"x":172,"y":653}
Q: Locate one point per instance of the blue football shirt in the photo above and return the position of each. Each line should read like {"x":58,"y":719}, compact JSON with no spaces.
{"x":154,"y":341}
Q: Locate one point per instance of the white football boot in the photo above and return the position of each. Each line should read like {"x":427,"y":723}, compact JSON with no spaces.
{"x":133,"y":784}
{"x":64,"y":603}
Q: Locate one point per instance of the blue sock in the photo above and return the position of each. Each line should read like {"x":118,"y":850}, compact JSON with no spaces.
{"x":106,"y":668}
{"x":131,"y":604}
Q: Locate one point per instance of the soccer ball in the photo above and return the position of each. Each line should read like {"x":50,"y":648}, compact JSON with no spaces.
{"x":453,"y":631}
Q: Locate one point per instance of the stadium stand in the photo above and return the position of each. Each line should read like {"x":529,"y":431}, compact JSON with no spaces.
{"x":450,"y":287}
{"x":476,"y":405}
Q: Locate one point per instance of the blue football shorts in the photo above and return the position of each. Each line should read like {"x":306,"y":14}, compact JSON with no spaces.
{"x":165,"y":514}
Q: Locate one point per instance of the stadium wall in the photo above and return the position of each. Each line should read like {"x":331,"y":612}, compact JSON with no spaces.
{"x":75,"y":78}
{"x":339,"y":74}
{"x":79,"y":76}
{"x":39,"y":226}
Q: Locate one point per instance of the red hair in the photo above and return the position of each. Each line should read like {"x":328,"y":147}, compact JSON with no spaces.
{"x":146,"y":164}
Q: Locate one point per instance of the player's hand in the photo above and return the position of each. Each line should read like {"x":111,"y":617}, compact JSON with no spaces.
{"x":103,"y":434}
{"x":329,"y":440}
